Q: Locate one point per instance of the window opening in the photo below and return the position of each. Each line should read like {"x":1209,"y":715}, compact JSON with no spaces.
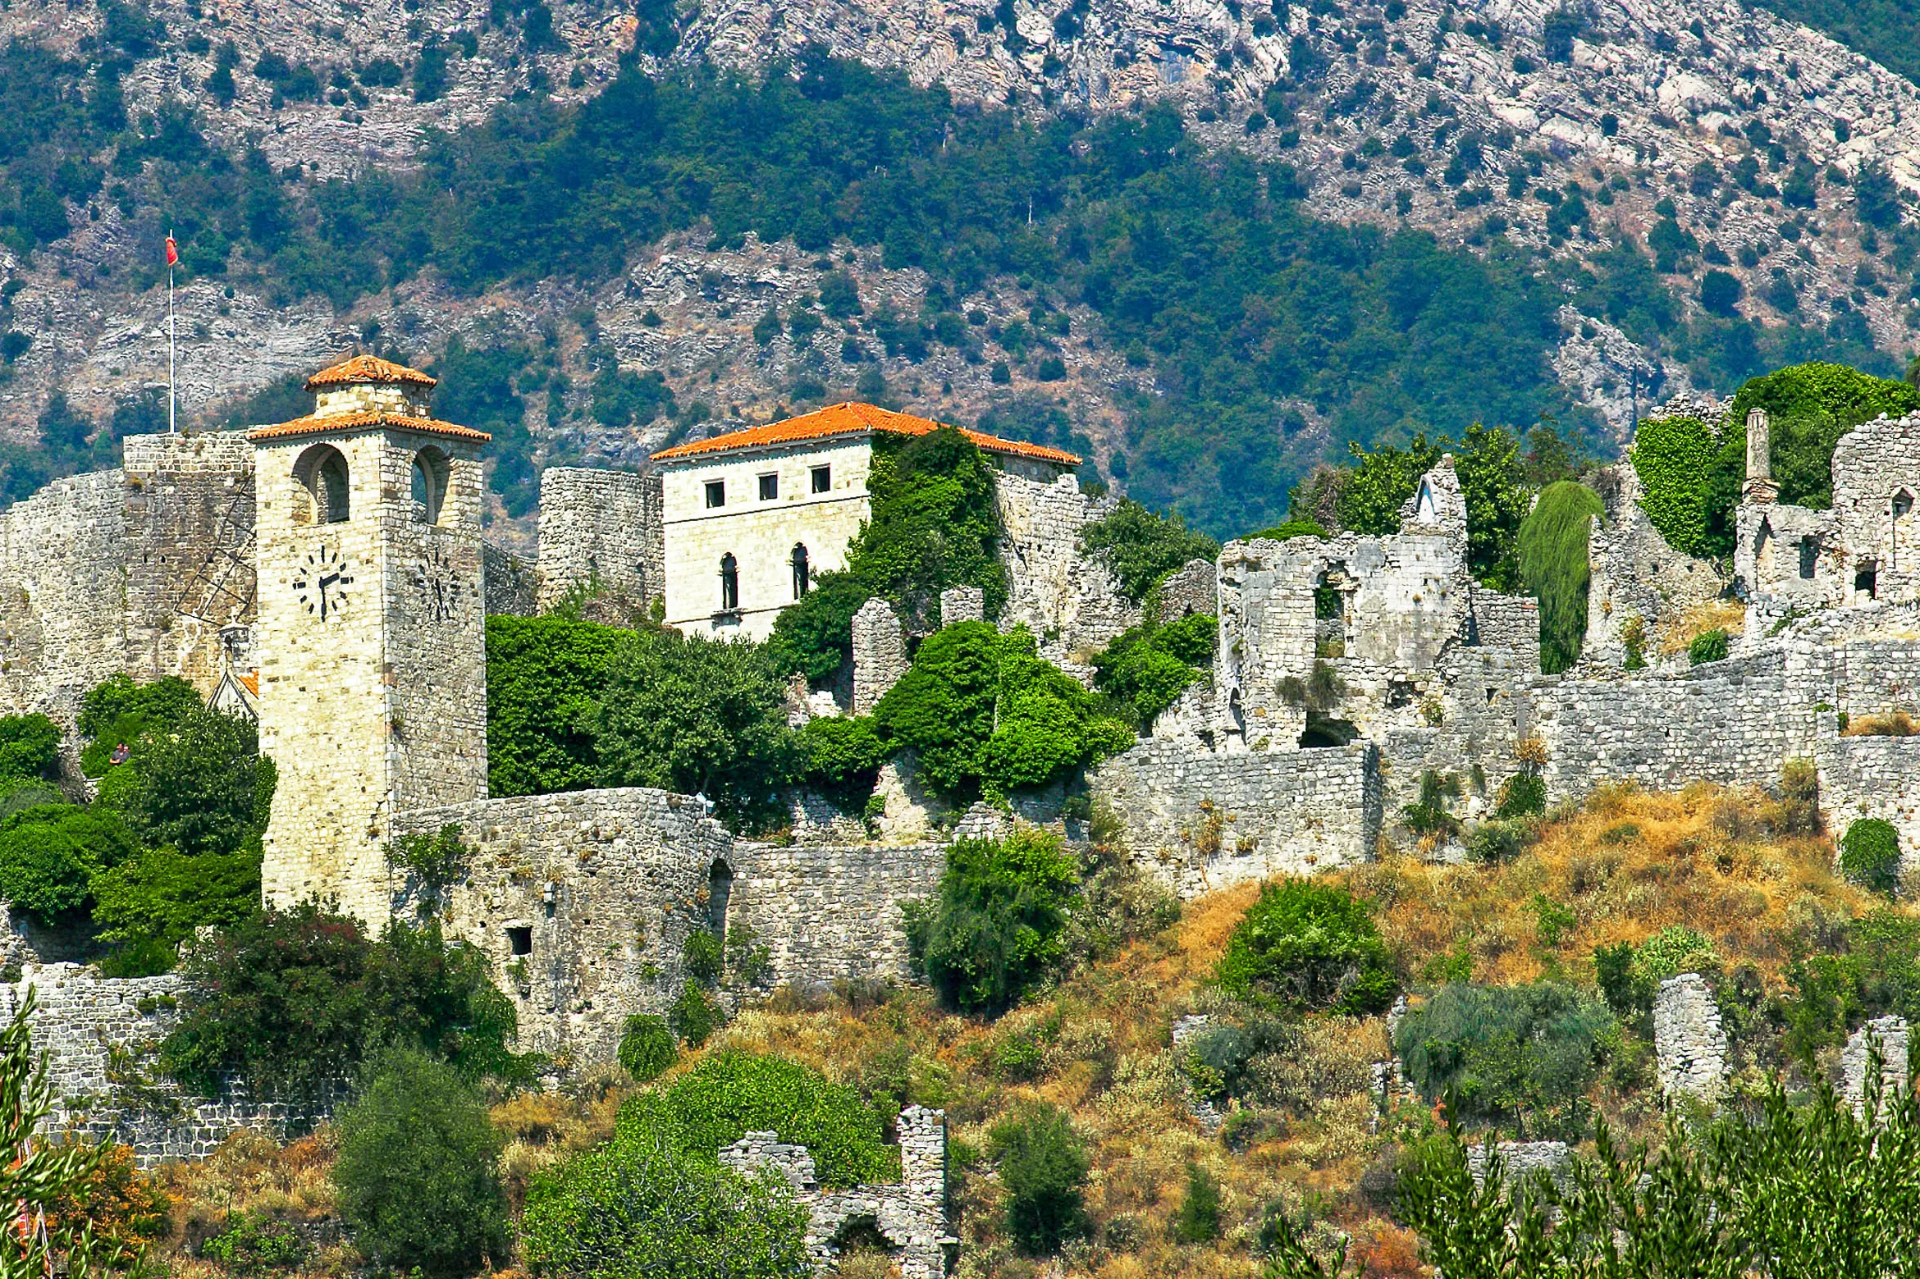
{"x":716,"y":493}
{"x":800,"y":583}
{"x":719,"y":890}
{"x":430,"y":471}
{"x":822,"y":479}
{"x":729,"y":583}
{"x":769,"y":487}
{"x":520,"y":941}
{"x":1867,"y":580}
{"x":1809,"y":557}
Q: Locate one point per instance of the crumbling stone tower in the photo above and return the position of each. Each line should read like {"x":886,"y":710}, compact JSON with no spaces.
{"x":371,"y":632}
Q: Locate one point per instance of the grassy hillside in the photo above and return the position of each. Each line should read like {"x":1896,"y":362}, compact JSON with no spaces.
{"x":1305,"y":1138}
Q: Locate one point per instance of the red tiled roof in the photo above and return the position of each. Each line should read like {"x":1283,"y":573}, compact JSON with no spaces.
{"x":367,"y":368}
{"x":853,"y":418}
{"x":359,"y":421}
{"x":251,"y":682}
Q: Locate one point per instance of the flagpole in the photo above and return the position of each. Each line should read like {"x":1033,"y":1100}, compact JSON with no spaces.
{"x":170,"y":332}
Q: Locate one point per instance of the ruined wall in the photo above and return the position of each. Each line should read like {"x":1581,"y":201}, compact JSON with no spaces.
{"x":99,"y":1036}
{"x":604,"y":527}
{"x":189,"y":549}
{"x":1484,"y":702}
{"x":1733,"y":722}
{"x":1202,"y":820}
{"x":1876,"y":503}
{"x":832,"y":911}
{"x":1634,"y":573}
{"x":1511,"y":622}
{"x":1870,"y":777}
{"x":879,"y":654}
{"x":1067,"y":599}
{"x":63,"y":578}
{"x":583,"y":901}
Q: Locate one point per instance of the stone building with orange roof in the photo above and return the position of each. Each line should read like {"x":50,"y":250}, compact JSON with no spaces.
{"x":750,"y":517}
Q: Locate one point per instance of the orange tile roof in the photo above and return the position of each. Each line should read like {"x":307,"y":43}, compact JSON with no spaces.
{"x":854,"y":418}
{"x":367,"y":368}
{"x":251,"y":682}
{"x":359,"y":421}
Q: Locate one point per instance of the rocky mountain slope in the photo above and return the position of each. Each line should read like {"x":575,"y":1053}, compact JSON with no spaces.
{"x":1764,"y":166}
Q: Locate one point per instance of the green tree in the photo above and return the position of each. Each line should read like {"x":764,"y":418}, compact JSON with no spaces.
{"x":639,"y":1204}
{"x":646,"y":1047}
{"x":418,"y":1170}
{"x":29,"y":747}
{"x":1870,"y":855}
{"x":1147,"y":667}
{"x":1492,"y":477}
{"x":1552,"y":543}
{"x":1309,"y":946}
{"x":51,"y":854}
{"x":1523,"y":1054}
{"x":997,"y":929}
{"x":118,"y":712}
{"x":198,"y":784}
{"x":1043,"y":1170}
{"x":152,"y":901}
{"x":1141,"y":548}
{"x":697,"y":715}
{"x":844,"y":755}
{"x":293,"y":1002}
{"x":1671,"y":456}
{"x":544,"y":679}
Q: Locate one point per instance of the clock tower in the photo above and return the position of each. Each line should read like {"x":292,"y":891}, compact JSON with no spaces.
{"x":371,"y":630}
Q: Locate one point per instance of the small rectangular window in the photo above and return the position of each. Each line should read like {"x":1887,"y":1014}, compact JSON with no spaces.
{"x":822,"y":478}
{"x":1809,"y":558}
{"x":769,"y":487}
{"x":716,"y":493}
{"x":520,"y":941}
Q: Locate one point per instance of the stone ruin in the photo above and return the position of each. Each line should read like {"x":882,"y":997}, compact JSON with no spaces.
{"x":1689,"y":1042}
{"x":907,"y":1220}
{"x":1888,"y":1037}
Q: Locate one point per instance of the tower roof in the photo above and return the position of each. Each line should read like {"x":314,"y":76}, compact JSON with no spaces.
{"x":368,"y":368}
{"x":330,"y":423}
{"x":854,"y":418}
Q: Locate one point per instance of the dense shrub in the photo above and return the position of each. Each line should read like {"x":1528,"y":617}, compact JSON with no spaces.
{"x":1709,"y":647}
{"x":1145,"y":668}
{"x":1309,"y":946}
{"x":544,"y":679}
{"x":646,"y":1047}
{"x":1140,"y":547}
{"x":1670,"y":456}
{"x":642,"y":1205}
{"x":197,"y":784}
{"x":1870,"y":855}
{"x":727,"y":1096}
{"x":843,"y":756}
{"x":1552,"y":543}
{"x":933,"y":525}
{"x":51,"y":854}
{"x":293,"y":1002}
{"x":118,"y":712}
{"x":696,"y":715}
{"x":1043,"y":1170}
{"x":694,"y":1016}
{"x":159,"y":898}
{"x":29,"y":747}
{"x":997,"y":928}
{"x":1873,"y":970}
{"x":1522,"y":1054}
{"x":982,"y":712}
{"x":418,"y":1170}
{"x":1198,"y":1218}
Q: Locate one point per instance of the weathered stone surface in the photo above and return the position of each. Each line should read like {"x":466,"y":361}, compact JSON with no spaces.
{"x":962,"y":604}
{"x":1688,"y":1039}
{"x":1889,"y":1037}
{"x":600,"y":531}
{"x":879,"y":654}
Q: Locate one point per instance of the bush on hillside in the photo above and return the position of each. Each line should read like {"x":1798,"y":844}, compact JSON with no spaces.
{"x":734,"y":1093}
{"x":933,"y":525}
{"x":1140,"y":548}
{"x":150,"y":903}
{"x":197,"y":784}
{"x":29,"y":747}
{"x":997,"y":929}
{"x":118,"y":712}
{"x":640,"y":1204}
{"x":1046,"y":725}
{"x":1870,"y":855}
{"x":1311,"y":947}
{"x":1520,"y":1054}
{"x":1043,"y":1172}
{"x":50,"y":856}
{"x":544,"y":680}
{"x":696,"y":715}
{"x":418,"y":1170}
{"x":293,"y":1002}
{"x":646,"y":1047}
{"x":1146,"y":668}
{"x":1552,"y":543}
{"x":1198,"y":1217}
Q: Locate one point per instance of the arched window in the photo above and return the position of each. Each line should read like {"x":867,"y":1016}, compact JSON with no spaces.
{"x":322,"y":472}
{"x":729,"y":583}
{"x":430,"y":472}
{"x":800,"y":582}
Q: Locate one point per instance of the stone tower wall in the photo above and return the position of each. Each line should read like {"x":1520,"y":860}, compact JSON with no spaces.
{"x":879,"y":654}
{"x":604,"y":527}
{"x":380,"y":704}
{"x":63,"y":579}
{"x":1067,"y":599}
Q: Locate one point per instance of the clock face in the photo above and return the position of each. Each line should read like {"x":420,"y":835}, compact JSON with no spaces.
{"x":322,"y":582}
{"x":439,"y":587}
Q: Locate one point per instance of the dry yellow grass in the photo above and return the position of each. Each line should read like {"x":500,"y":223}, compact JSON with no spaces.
{"x":1713,"y":615}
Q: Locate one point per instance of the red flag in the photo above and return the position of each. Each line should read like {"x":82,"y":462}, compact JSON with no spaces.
{"x":173,"y":253}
